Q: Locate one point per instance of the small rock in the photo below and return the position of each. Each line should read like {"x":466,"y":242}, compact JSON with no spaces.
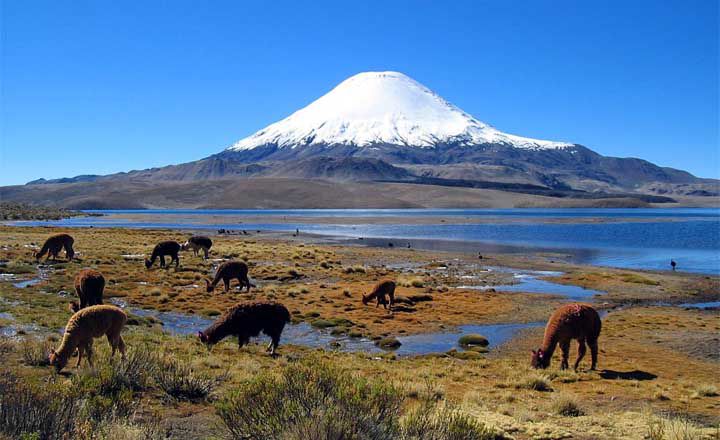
{"x":473,"y":340}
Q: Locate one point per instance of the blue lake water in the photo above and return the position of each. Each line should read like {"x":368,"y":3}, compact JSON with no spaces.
{"x":304,"y":334}
{"x":529,"y":281}
{"x":632,"y":238}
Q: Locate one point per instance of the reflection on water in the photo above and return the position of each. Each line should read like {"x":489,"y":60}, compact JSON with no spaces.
{"x":497,"y":334}
{"x":305,"y":335}
{"x":529,"y":281}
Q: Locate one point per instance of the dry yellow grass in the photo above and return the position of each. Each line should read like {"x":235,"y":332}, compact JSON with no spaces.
{"x":646,"y":352}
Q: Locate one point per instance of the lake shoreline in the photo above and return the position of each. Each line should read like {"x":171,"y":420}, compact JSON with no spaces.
{"x":647,"y":240}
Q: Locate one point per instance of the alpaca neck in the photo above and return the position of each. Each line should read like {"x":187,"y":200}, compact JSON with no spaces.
{"x":218,"y":331}
{"x":67,"y":347}
{"x":548,"y":347}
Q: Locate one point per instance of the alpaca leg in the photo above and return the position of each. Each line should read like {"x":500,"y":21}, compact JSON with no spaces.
{"x":82,"y":300}
{"x":176,"y":257}
{"x":226,"y":281}
{"x":275,"y":341}
{"x":162,"y":261}
{"x":565,"y":347}
{"x":113,"y":344}
{"x":88,"y":353}
{"x":206,"y":254}
{"x":246,"y":281}
{"x":582,"y":348}
{"x":121,"y":347}
{"x":80,"y":352}
{"x":593,"y":353}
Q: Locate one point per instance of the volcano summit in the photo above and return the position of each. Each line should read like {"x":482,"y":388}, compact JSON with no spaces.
{"x":385,"y":133}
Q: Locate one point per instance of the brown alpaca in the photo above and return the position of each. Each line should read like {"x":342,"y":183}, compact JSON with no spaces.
{"x":246,"y":320}
{"x":228,"y":271}
{"x":196,"y":243}
{"x":383,"y":288}
{"x":89,"y":286}
{"x":85,"y":325}
{"x":571,"y":321}
{"x":54,"y":244}
{"x":163,"y":249}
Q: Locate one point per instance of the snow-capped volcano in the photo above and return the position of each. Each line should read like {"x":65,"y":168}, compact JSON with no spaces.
{"x":379,"y":140}
{"x":374,"y":108}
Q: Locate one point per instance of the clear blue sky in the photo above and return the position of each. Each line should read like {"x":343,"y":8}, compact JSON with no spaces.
{"x":94,"y":87}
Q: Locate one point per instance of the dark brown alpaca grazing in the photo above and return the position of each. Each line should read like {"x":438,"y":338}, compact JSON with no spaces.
{"x":89,"y":286}
{"x":229,"y":271}
{"x":382,"y":289}
{"x":54,"y":244}
{"x":572,"y":321}
{"x":246,"y":320}
{"x":163,"y":249}
{"x":197,"y":243}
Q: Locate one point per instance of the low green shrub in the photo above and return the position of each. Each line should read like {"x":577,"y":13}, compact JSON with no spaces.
{"x":566,"y":405}
{"x":35,"y":353}
{"x":179,"y":381}
{"x":311,"y":400}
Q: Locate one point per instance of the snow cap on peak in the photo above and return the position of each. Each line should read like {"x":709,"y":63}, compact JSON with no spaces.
{"x":382,"y":108}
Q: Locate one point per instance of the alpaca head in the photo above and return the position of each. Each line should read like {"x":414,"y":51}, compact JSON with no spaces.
{"x":148,"y":263}
{"x":539,"y":359}
{"x":203,"y":338}
{"x":56,"y":360}
{"x":185,"y":245}
{"x":366,"y":299}
{"x":210,"y":287}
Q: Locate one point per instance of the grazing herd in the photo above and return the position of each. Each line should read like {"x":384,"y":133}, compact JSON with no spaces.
{"x":91,"y":319}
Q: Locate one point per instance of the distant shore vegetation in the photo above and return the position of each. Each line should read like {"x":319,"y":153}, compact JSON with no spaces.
{"x":24,"y":211}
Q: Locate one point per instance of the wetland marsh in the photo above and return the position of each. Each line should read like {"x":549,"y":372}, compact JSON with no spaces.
{"x":659,"y":355}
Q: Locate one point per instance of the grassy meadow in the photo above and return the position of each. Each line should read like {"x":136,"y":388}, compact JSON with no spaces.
{"x":657,"y":378}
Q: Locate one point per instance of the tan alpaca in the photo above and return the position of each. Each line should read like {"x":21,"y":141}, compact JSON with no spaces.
{"x":382,"y":289}
{"x":54,"y":244}
{"x":84,"y":326}
{"x":571,"y":321}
